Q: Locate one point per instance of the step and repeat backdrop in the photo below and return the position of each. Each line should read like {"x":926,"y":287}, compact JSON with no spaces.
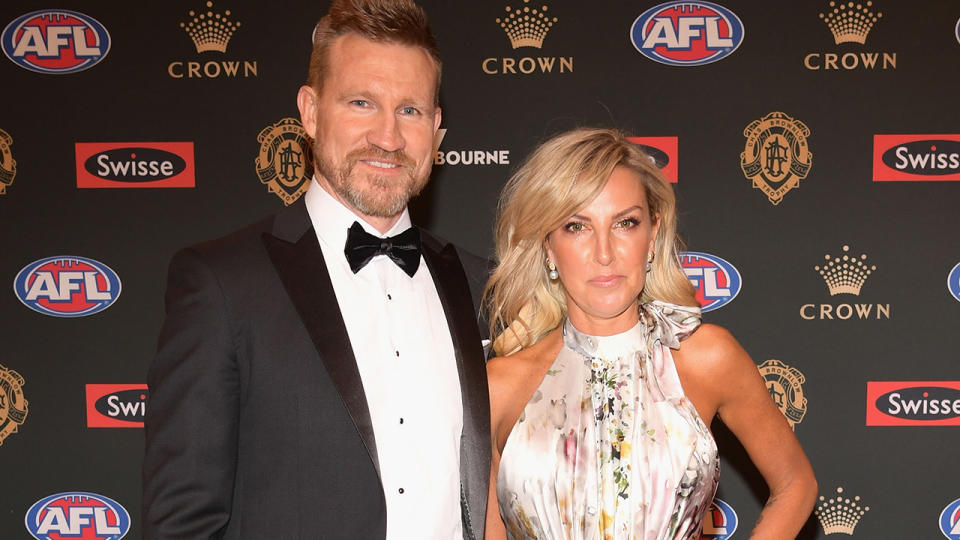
{"x":814,"y":147}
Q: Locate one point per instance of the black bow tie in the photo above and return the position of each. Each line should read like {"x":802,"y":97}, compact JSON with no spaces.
{"x":403,"y":249}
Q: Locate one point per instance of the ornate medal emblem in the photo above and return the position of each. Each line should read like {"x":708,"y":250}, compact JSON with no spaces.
{"x":284,"y":162}
{"x":776,"y":156}
{"x":8,"y":166}
{"x":13,"y":407}
{"x":785,"y":384}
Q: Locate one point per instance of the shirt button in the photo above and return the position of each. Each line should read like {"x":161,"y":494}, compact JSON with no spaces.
{"x":398,"y":353}
{"x":401,"y":420}
{"x":389,"y":297}
{"x":401,"y":491}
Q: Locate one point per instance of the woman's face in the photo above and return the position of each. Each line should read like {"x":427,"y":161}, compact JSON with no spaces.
{"x":601,"y":254}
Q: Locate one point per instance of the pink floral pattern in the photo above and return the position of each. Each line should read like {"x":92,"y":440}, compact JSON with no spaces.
{"x":608,"y":447}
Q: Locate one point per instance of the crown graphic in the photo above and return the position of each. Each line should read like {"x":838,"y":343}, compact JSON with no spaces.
{"x":526,"y":27}
{"x":210,"y":31}
{"x":850,"y":22}
{"x":840,"y":514}
{"x":846,"y":274}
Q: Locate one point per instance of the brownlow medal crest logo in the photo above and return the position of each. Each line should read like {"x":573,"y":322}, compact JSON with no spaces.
{"x":776,"y":156}
{"x":8,"y":165}
{"x":785,"y":385}
{"x":13,"y":407}
{"x":284,"y":162}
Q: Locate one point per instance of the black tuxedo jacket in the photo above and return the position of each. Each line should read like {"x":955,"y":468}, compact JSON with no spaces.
{"x":257,"y":425}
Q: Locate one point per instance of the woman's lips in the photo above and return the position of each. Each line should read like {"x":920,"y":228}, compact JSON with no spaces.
{"x":606,"y":281}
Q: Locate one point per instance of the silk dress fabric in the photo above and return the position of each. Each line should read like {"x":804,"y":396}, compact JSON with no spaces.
{"x":609,"y":447}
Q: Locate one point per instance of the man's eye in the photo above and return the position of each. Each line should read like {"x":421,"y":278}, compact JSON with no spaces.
{"x":359,"y":102}
{"x":409,"y":110}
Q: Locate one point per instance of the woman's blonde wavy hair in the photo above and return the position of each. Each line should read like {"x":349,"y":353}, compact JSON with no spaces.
{"x":562,"y":176}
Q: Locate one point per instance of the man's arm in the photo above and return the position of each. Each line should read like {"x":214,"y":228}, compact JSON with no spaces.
{"x":192,"y":413}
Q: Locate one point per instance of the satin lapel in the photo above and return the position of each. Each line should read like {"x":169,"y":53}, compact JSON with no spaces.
{"x":296,"y":254}
{"x":454,"y":292}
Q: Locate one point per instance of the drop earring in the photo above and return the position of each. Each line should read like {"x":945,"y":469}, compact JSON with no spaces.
{"x":552,"y":274}
{"x":649,"y":261}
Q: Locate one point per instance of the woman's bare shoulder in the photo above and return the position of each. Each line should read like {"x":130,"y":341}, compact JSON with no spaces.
{"x":526,"y":361}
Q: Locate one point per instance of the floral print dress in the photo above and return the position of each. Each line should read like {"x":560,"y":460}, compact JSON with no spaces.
{"x":608,"y":447}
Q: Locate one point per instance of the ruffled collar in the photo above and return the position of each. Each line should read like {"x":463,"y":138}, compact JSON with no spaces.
{"x":658,"y":321}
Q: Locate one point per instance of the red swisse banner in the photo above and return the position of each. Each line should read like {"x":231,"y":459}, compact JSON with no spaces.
{"x":116,"y":405}
{"x":135,"y":165}
{"x":912,"y":158}
{"x":663,"y":150}
{"x":913,"y":403}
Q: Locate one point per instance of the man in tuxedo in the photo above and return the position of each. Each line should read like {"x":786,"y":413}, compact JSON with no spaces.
{"x":320,"y":373}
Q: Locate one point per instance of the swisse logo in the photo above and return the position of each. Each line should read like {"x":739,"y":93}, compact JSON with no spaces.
{"x":135,"y":165}
{"x":77,"y":514}
{"x":116,"y":405}
{"x":950,"y":520}
{"x":55,"y":41}
{"x":467,"y":157}
{"x":720,"y":521}
{"x":716,"y":280}
{"x":687,"y":33}
{"x":67,"y":286}
{"x":916,"y":157}
{"x":913,"y":403}
{"x":953,"y":282}
{"x":663,"y":152}
{"x":211,"y":31}
{"x":527,"y":27}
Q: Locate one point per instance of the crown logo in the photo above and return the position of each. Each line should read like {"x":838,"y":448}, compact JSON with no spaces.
{"x":840,"y":514}
{"x":846,"y":274}
{"x":526,"y":27}
{"x":210,"y":31}
{"x":849,"y":22}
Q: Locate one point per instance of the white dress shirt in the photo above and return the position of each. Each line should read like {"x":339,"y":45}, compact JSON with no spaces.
{"x":399,"y":335}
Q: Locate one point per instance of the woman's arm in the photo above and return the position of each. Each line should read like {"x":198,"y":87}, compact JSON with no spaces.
{"x":743,"y":403}
{"x":498,"y":378}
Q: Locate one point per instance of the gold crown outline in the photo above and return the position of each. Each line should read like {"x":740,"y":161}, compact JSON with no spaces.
{"x":526,"y":27}
{"x":210,"y":31}
{"x":850,"y":22}
{"x":846,"y":274}
{"x":840,"y":514}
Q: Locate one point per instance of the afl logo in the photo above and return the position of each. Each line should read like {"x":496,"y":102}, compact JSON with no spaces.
{"x":67,"y":286}
{"x":77,"y":514}
{"x":950,"y":520}
{"x":716,"y":280}
{"x":720,"y":522}
{"x":953,"y":282}
{"x":687,"y":33}
{"x":55,"y":41}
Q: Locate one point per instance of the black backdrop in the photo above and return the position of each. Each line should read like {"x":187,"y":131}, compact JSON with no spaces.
{"x":904,"y":474}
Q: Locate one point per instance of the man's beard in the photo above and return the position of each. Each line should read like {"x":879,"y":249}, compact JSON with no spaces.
{"x":375,"y":195}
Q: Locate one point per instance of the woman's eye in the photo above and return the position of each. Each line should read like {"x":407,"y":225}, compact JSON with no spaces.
{"x":574,"y":226}
{"x":627,"y":223}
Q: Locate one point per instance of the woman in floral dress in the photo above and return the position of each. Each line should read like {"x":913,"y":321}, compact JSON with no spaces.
{"x":606,"y":383}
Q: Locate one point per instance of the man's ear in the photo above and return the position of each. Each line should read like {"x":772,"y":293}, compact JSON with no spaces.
{"x":307,"y":103}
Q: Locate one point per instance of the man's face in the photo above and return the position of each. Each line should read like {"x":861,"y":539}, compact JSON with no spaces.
{"x":373,"y":124}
